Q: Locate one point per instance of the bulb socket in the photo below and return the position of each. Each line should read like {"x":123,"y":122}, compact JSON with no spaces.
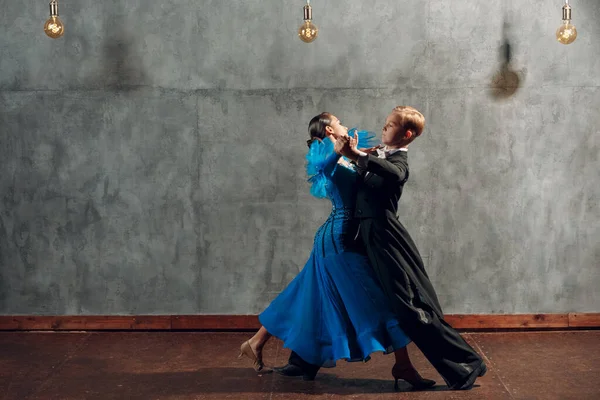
{"x":307,"y":12}
{"x":566,"y":12}
{"x":54,"y":8}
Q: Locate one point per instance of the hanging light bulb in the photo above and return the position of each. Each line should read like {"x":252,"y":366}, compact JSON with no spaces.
{"x":308,"y":31}
{"x":567,"y":33}
{"x":54,"y":27}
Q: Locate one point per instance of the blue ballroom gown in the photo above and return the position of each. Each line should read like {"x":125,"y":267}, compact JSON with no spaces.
{"x":334,"y":308}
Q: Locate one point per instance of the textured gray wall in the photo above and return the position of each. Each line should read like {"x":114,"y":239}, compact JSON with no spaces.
{"x":152,"y":159}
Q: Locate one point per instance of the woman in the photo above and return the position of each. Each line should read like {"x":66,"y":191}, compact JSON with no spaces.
{"x":334,"y":309}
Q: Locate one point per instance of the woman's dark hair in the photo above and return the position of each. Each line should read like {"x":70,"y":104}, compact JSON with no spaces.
{"x":316,"y":127}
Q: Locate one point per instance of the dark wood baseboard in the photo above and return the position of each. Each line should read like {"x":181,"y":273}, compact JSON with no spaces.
{"x":477,"y":322}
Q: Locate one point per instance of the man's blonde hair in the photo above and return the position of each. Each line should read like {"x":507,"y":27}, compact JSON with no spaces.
{"x":410,"y":119}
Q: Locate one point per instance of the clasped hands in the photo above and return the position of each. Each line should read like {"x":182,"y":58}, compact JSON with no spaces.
{"x":347,"y":147}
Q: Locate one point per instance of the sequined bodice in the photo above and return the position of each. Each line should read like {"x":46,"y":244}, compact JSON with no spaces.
{"x":338,"y":231}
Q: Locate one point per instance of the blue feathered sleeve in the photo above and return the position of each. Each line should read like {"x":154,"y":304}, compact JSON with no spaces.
{"x":321,"y":162}
{"x":366,"y":139}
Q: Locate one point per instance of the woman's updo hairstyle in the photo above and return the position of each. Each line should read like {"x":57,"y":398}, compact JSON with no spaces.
{"x":316,"y":127}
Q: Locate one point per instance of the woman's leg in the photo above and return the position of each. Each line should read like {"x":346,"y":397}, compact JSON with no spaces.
{"x":403,"y":369}
{"x":258,"y":341}
{"x":402,"y":358}
{"x":252,"y":349}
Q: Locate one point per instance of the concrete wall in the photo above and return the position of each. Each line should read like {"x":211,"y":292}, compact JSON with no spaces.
{"x":152,"y":159}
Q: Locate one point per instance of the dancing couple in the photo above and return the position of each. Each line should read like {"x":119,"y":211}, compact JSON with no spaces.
{"x":364,"y":288}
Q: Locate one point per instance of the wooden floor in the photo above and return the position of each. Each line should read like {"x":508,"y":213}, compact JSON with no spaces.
{"x":196,"y":365}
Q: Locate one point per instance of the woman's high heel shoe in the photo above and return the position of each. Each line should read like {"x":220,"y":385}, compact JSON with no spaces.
{"x":411,"y":376}
{"x":259,"y":366}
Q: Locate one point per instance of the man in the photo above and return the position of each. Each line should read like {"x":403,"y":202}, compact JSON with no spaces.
{"x":395,"y":257}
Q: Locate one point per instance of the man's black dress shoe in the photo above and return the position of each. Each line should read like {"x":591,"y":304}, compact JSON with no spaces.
{"x":294,"y":370}
{"x":468,"y":384}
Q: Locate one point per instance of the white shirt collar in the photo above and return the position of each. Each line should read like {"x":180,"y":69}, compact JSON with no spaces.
{"x":388,"y":152}
{"x":392,"y":151}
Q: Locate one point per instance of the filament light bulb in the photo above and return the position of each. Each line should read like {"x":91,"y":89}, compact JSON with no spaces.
{"x":308,"y":31}
{"x":54,"y":27}
{"x":566,"y":33}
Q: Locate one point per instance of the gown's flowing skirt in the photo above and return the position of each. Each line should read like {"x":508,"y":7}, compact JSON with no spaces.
{"x":334,"y":309}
